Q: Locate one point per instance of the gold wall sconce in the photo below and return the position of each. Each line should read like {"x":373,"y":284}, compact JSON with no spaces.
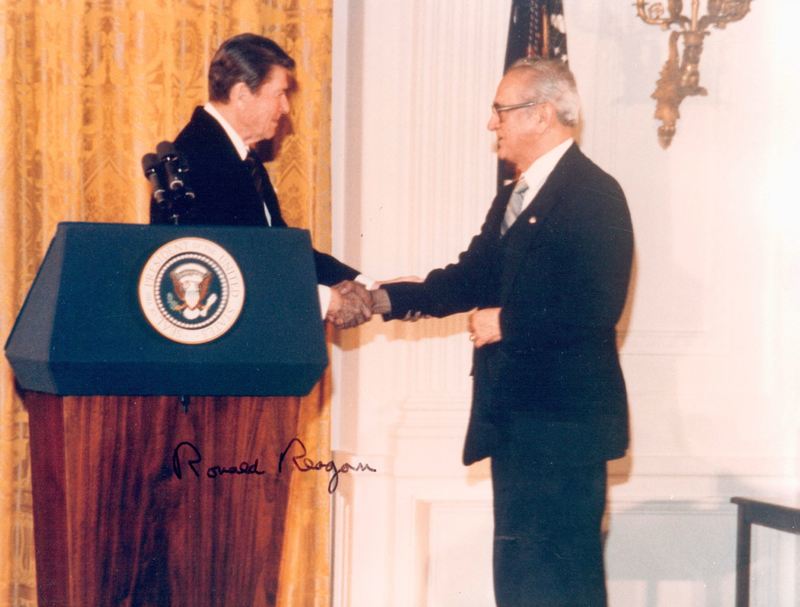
{"x":680,"y":76}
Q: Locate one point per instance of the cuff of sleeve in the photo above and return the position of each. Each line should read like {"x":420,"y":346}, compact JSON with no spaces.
{"x":324,"y":299}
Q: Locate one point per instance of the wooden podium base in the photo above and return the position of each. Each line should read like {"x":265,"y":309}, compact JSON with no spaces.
{"x":139,"y":503}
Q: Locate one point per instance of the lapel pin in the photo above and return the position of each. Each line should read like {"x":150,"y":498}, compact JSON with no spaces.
{"x":532,"y":219}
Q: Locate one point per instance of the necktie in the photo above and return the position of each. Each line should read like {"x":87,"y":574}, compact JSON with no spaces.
{"x":264,"y":188}
{"x":514,"y":207}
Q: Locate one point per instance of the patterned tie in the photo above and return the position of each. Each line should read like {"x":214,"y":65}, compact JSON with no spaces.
{"x":265,"y":190}
{"x":514,"y":207}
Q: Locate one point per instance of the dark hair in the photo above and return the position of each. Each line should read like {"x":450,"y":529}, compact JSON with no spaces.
{"x":244,"y":58}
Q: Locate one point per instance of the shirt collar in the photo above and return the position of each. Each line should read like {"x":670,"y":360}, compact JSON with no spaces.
{"x":536,"y":174}
{"x":236,"y":140}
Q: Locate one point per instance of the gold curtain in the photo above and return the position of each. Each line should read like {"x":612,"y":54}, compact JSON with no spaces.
{"x":91,"y":86}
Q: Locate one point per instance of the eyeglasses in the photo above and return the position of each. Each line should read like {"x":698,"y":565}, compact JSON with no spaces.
{"x":497,"y":109}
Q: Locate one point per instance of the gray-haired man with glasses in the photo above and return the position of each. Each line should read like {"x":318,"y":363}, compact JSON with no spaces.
{"x":547,"y":278}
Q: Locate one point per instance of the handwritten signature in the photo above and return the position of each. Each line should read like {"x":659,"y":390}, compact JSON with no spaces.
{"x":304,"y":464}
{"x":213,"y":471}
{"x":187,"y":454}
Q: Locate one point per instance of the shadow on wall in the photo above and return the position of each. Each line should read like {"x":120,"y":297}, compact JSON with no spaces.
{"x":425,"y":328}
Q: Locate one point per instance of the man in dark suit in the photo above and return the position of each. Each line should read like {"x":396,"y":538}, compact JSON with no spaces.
{"x":548,"y":274}
{"x":248,"y":82}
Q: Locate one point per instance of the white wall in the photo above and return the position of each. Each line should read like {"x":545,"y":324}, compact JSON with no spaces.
{"x":710,"y":341}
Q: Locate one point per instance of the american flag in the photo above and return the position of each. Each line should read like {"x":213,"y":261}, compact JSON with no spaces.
{"x":536,"y":29}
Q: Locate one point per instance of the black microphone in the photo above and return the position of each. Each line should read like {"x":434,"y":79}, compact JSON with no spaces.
{"x":168,"y":155}
{"x":183,"y":168}
{"x":150,"y":163}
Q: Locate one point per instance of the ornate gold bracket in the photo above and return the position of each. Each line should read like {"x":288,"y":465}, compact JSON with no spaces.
{"x":680,"y":77}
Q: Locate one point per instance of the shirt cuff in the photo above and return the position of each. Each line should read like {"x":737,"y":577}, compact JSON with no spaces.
{"x":324,"y":299}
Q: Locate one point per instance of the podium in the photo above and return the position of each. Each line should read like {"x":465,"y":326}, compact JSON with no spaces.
{"x":161,"y":367}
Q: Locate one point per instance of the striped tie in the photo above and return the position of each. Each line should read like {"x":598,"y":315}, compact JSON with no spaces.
{"x":514,"y":207}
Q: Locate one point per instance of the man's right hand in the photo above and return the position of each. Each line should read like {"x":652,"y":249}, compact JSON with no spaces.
{"x":351,"y":305}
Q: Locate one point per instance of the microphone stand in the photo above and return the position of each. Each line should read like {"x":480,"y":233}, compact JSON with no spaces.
{"x":166,"y":170}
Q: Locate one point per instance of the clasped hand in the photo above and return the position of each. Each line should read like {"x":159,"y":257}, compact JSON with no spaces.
{"x":351,"y":305}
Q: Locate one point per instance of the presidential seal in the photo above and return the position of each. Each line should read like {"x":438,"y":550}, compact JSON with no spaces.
{"x":191,"y":290}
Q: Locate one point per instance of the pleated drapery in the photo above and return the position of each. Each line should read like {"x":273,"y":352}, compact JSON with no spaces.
{"x":89,"y":87}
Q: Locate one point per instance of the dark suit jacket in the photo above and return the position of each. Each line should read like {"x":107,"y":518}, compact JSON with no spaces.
{"x":552,"y":388}
{"x":225,"y":193}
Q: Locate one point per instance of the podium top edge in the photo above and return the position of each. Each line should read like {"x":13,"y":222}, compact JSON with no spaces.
{"x":70,"y":225}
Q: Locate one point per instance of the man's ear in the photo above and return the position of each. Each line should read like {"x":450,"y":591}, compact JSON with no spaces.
{"x":546,"y":115}
{"x":238,"y":92}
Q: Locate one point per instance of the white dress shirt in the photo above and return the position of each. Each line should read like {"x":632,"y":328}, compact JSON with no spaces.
{"x":536,"y":174}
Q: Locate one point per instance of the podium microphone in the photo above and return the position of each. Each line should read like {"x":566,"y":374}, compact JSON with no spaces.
{"x":168,"y":155}
{"x":150,"y":164}
{"x":183,"y":168}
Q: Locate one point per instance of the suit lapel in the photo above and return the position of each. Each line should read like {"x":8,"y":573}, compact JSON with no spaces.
{"x":227,"y":161}
{"x":528,"y":225}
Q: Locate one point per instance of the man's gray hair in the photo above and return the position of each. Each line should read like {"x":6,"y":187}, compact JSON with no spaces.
{"x":552,"y":81}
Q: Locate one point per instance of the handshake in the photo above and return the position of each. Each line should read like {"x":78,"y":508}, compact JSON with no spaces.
{"x":351,"y":305}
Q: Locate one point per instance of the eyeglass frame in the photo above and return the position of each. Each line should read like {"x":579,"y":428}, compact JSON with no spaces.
{"x":498,"y":109}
